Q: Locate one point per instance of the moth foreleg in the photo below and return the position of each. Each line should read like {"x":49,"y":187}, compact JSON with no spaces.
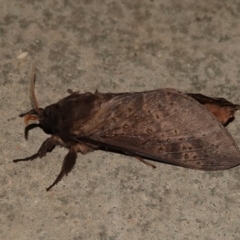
{"x":68,"y":164}
{"x":47,"y":146}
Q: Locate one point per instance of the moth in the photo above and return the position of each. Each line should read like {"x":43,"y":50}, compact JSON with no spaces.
{"x":163,"y":125}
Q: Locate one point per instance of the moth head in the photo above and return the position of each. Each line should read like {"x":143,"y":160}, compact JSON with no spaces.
{"x":36,"y":114}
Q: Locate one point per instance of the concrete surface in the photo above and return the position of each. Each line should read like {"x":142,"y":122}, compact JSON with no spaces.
{"x":114,"y":46}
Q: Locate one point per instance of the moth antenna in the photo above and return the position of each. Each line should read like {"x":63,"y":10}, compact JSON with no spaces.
{"x":32,"y":92}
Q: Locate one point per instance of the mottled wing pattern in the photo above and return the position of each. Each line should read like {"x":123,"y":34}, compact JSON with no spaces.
{"x":164,"y":125}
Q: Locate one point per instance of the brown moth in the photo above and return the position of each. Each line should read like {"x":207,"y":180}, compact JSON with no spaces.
{"x":162,"y":125}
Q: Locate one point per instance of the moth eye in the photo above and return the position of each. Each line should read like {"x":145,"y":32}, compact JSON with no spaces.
{"x":45,"y":113}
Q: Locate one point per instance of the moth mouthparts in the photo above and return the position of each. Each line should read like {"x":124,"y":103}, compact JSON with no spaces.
{"x":27,"y":118}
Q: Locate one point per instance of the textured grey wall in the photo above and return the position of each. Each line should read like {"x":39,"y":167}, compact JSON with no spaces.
{"x":114,"y":46}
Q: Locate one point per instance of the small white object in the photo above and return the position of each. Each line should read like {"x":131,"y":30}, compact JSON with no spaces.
{"x":22,"y":55}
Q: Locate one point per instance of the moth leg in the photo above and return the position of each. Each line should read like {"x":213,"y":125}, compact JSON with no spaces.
{"x":68,"y":164}
{"x":70,"y":91}
{"x":140,"y":159}
{"x":47,"y":146}
{"x":145,"y":162}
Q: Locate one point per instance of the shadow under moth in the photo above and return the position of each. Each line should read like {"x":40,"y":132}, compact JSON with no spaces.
{"x":162,"y":125}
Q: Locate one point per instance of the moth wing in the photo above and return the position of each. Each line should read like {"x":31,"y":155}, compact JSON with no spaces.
{"x":164,"y":125}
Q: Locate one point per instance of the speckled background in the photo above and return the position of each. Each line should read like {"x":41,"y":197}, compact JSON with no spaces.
{"x":114,"y":46}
